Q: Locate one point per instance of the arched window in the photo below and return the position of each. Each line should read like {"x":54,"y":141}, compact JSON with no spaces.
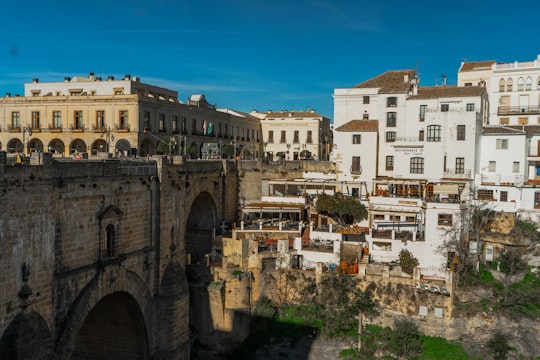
{"x":528,"y":84}
{"x":501,"y":85}
{"x":521,"y":83}
{"x":434,"y":133}
{"x":110,"y":242}
{"x":509,"y":84}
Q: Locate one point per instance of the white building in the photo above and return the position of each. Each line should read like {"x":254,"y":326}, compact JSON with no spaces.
{"x":295,"y":135}
{"x":513,"y":89}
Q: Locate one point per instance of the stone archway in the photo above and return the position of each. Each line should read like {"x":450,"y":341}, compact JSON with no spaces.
{"x":123,"y":146}
{"x":119,"y":287}
{"x":14,"y":145}
{"x":77,"y":146}
{"x":113,"y":329}
{"x":56,"y":146}
{"x":147,"y":148}
{"x":35,"y":145}
{"x":201,"y":222}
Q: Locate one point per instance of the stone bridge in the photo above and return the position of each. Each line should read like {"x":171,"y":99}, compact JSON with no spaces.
{"x":93,"y":253}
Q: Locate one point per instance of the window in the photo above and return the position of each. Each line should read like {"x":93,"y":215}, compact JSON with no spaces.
{"x":528,"y":84}
{"x":484,"y":194}
{"x":537,"y":199}
{"x":523,"y":121}
{"x":470,"y":107}
{"x":57,"y":120}
{"x":444,"y":220}
{"x":410,"y":219}
{"x":434,"y":133}
{"x":365,"y":116}
{"x":391,"y":119}
{"x":390,"y":136}
{"x":515,"y":167}
{"x":15,"y":119}
{"x":77,"y":119}
{"x":492,"y":166}
{"x":501,"y":85}
{"x":423,"y":109}
{"x":146,"y":121}
{"x":309,"y":138}
{"x":421,"y":135}
{"x":417,"y":165}
{"x":296,"y":138}
{"x":194,"y":126}
{"x":460,"y":165}
{"x":390,"y":163}
{"x":174,"y":125}
{"x":355,"y":165}
{"x":35,"y":120}
{"x":504,"y":121}
{"x":123,"y":119}
{"x":460,"y":132}
{"x":226,"y":131}
{"x":391,"y":101}
{"x":378,"y":217}
{"x":521,"y":84}
{"x":283,"y":137}
{"x":444,"y":107}
{"x":184,"y":126}
{"x":501,"y":144}
{"x":356,"y":139}
{"x":110,"y":242}
{"x":366,"y":99}
{"x":270,"y":136}
{"x":504,"y":196}
{"x":161,"y":122}
{"x":100,"y":119}
{"x":509,"y":84}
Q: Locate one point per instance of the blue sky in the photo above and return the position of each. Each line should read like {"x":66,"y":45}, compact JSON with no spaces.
{"x":251,"y":54}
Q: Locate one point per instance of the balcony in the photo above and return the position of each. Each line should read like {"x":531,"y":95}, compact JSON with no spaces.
{"x":16,"y":129}
{"x":457,"y":173}
{"x":76,"y":129}
{"x":99,"y":129}
{"x":122,"y":128}
{"x":518,"y":110}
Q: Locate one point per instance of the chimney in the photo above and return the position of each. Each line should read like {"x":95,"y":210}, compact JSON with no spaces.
{"x":110,"y":78}
{"x":127,"y":77}
{"x":414,"y":85}
{"x":406,"y":77}
{"x":8,"y":94}
{"x":91,"y":76}
{"x":35,"y":80}
{"x":67,"y":79}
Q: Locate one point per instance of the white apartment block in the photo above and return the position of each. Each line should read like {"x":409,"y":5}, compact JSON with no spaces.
{"x":513,"y":89}
{"x":418,"y":148}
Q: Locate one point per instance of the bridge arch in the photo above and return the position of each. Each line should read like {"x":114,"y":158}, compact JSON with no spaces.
{"x":116,"y":302}
{"x":200,"y":225}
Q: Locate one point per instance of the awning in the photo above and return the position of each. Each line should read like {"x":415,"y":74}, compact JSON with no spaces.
{"x":446,"y":189}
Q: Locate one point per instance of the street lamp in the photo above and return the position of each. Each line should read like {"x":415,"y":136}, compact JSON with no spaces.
{"x":108,"y":139}
{"x":265,"y":155}
{"x":25,"y":130}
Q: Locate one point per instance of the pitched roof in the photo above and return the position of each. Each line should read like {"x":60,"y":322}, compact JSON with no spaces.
{"x":529,"y":129}
{"x":393,"y":81}
{"x":434,"y":92}
{"x":477,"y":65}
{"x":501,"y":130}
{"x":359,"y":126}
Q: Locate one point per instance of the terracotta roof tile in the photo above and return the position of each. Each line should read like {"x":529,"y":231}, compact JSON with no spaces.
{"x":392,"y":81}
{"x":477,"y":65}
{"x":434,"y":92}
{"x":529,"y":129}
{"x":360,"y":126}
{"x":501,"y":130}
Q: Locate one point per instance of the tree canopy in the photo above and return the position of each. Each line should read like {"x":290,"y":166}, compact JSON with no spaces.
{"x":343,"y":209}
